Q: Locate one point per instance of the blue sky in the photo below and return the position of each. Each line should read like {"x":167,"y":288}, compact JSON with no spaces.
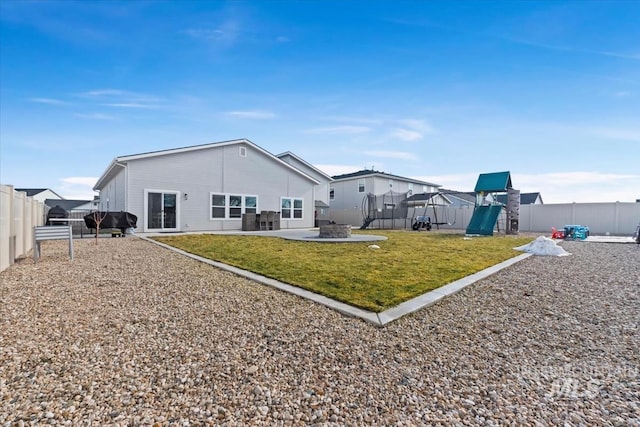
{"x":435,"y":90}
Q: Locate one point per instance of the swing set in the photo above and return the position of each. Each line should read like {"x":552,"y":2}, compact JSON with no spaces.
{"x":423,"y":222}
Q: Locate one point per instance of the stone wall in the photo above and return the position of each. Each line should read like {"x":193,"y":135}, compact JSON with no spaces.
{"x":335,"y":231}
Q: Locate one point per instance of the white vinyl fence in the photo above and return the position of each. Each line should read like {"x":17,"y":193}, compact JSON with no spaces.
{"x":18,"y":215}
{"x":617,"y":219}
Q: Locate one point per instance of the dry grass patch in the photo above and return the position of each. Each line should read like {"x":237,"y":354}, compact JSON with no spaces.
{"x":408,"y":264}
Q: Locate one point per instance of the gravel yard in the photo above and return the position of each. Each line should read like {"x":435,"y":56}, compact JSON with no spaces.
{"x":133,"y":334}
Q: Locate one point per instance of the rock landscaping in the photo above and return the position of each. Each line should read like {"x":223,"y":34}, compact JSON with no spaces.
{"x":129,"y":333}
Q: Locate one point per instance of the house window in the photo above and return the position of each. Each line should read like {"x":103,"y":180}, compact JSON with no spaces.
{"x":250,"y":204}
{"x":243,"y":151}
{"x":232,"y":206}
{"x":361,"y":186}
{"x":390,"y":183}
{"x":425,"y":189}
{"x":291,"y":208}
{"x":410,"y":192}
{"x":218,"y":206}
{"x":297,"y":208}
{"x":235,"y":206}
{"x":332,"y":193}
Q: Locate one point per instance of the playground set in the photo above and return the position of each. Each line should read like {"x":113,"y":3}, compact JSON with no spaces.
{"x":393,"y":207}
{"x":488,"y":209}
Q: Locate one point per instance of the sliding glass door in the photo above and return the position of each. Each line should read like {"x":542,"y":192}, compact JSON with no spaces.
{"x":161,"y":210}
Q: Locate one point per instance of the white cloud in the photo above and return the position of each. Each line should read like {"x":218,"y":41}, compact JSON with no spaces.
{"x":80,"y":180}
{"x":458,"y":182}
{"x":105,"y":92}
{"x":401,"y":155}
{"x":351,"y":119}
{"x":406,"y":134}
{"x":616,"y":133}
{"x":95,"y":116}
{"x":581,"y":186}
{"x":625,"y":55}
{"x":412,"y":129}
{"x":255,"y":114}
{"x":418,"y":125}
{"x":340,"y":130}
{"x":119,"y":98}
{"x":205,"y":33}
{"x":49,"y":101}
{"x":225,"y":34}
{"x":77,"y":187}
{"x":577,"y":178}
{"x":132,"y":105}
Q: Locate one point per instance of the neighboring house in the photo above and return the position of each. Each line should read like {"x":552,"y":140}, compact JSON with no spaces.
{"x":72,"y":205}
{"x":460,"y":198}
{"x":207,"y":187}
{"x":424,"y":204}
{"x":348,"y":191}
{"x":422,"y":200}
{"x":525,"y":199}
{"x":41,"y":194}
{"x":321,"y":202}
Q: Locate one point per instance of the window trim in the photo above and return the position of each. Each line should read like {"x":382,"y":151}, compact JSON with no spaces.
{"x":293,"y":209}
{"x":227,"y":205}
{"x":212,"y":206}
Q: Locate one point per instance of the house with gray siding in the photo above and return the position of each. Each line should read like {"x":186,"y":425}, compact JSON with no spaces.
{"x":73,"y":205}
{"x":525,"y":199}
{"x":347,"y":192}
{"x":321,"y":202}
{"x":209,"y":187}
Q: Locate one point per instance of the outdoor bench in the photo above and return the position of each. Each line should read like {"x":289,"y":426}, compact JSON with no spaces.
{"x":51,"y":232}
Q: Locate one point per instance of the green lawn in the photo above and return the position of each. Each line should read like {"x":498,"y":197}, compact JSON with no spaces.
{"x":408,"y":264}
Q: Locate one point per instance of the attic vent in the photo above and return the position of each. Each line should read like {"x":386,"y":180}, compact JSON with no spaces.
{"x":243,"y":151}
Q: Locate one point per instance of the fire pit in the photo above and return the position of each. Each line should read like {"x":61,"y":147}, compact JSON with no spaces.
{"x":335,"y":231}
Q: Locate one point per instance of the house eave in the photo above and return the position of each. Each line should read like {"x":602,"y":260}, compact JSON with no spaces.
{"x":111,"y":171}
{"x":123,"y":160}
{"x":309,"y":165}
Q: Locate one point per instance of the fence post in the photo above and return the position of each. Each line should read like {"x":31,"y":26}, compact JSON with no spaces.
{"x":6,"y":225}
{"x":18,"y":215}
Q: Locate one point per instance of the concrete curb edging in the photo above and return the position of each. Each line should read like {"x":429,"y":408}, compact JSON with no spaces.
{"x":377,"y":319}
{"x":430,"y":298}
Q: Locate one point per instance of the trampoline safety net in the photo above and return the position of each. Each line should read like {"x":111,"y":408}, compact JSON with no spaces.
{"x":390,"y":205}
